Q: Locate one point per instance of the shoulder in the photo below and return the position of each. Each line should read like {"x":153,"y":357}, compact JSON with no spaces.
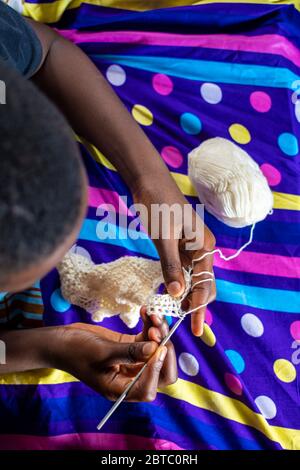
{"x":20,"y":46}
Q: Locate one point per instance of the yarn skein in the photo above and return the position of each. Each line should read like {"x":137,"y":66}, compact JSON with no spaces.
{"x":229,"y":183}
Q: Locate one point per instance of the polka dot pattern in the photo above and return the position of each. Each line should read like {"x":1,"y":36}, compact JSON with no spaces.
{"x":162,"y":84}
{"x":252,"y":325}
{"x":233,"y":383}
{"x":288,"y":143}
{"x":79,"y":250}
{"x":209,"y":317}
{"x":188,"y":364}
{"x":239,"y":133}
{"x":284,"y":370}
{"x":236,"y":360}
{"x":271,"y":173}
{"x":208,"y":336}
{"x":179,"y":123}
{"x":190,"y":123}
{"x":59,"y":304}
{"x":211,"y":93}
{"x":297,"y":110}
{"x":295,"y":330}
{"x":172,"y":156}
{"x":260,"y":101}
{"x":266,"y":406}
{"x":142,"y":115}
{"x":116,"y":75}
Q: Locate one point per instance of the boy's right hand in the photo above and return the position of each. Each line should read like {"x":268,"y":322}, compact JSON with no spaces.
{"x":107,"y":361}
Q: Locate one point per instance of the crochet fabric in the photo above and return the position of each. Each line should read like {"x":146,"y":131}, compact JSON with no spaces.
{"x":104,"y":290}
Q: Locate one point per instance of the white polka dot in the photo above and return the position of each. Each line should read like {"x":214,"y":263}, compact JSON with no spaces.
{"x":252,"y":325}
{"x":116,"y":75}
{"x":211,"y":93}
{"x":188,"y":364}
{"x":266,"y":406}
{"x":297,"y":110}
{"x":79,"y":250}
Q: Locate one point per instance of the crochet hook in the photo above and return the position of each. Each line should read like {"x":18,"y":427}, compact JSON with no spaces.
{"x":131,"y":384}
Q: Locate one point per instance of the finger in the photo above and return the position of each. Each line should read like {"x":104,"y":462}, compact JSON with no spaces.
{"x":129,"y":353}
{"x":198,"y":318}
{"x":146,"y":387}
{"x":172,"y":267}
{"x":169,"y":372}
{"x":201,"y":292}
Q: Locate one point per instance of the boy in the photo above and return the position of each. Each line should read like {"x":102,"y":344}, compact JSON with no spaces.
{"x":43,"y":201}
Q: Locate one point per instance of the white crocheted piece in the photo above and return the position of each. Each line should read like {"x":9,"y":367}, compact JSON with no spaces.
{"x":165,"y":304}
{"x":117,"y":288}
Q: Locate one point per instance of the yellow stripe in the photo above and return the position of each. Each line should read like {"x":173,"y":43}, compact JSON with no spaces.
{"x":52,"y":12}
{"x":281,"y":200}
{"x":222,"y":405}
{"x":231,"y":408}
{"x":286,"y":201}
{"x":37,"y":377}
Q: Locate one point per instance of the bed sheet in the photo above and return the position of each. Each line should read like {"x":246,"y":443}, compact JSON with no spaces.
{"x":188,"y":74}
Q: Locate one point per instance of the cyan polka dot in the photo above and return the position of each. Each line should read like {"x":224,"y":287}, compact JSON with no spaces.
{"x":236,"y":360}
{"x":288,"y":143}
{"x":58,"y":302}
{"x":190,"y":123}
{"x":169,"y":319}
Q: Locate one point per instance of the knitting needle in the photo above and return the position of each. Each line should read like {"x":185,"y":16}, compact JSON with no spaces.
{"x":131,"y":384}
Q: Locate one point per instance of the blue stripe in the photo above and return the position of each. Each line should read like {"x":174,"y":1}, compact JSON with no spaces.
{"x":252,"y":296}
{"x":204,"y":70}
{"x":123,"y":237}
{"x":258,"y":297}
{"x":85,"y":412}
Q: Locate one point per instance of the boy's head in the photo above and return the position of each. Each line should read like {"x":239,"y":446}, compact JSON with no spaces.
{"x":42,"y":184}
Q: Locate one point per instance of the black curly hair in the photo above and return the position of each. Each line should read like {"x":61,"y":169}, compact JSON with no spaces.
{"x":41,"y":177}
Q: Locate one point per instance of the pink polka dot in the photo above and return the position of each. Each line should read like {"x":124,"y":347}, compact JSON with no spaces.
{"x":162,"y":84}
{"x":260,"y":101}
{"x":233,"y":383}
{"x":271,"y":173}
{"x":295,"y":330}
{"x":172,"y":156}
{"x":208,"y":317}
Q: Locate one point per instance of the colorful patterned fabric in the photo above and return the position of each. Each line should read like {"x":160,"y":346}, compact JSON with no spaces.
{"x":188,"y":74}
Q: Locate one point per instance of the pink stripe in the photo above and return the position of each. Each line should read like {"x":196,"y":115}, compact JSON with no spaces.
{"x":262,"y":263}
{"x":88,"y":441}
{"x":270,"y":43}
{"x":97,"y":196}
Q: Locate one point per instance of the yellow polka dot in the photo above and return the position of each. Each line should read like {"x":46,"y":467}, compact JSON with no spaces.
{"x":208,"y":336}
{"x":284,"y":370}
{"x":240,"y":134}
{"x":142,"y":115}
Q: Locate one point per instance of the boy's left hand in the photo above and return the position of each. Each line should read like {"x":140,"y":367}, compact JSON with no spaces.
{"x":110,"y":376}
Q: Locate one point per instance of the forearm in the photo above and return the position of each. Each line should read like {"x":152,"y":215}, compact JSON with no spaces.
{"x":97,"y":114}
{"x":29,"y":349}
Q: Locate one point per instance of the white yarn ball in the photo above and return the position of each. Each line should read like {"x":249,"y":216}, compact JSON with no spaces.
{"x":229,"y":183}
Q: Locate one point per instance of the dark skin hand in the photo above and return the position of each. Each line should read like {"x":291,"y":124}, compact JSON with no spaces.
{"x":103,"y":359}
{"x":95,"y":112}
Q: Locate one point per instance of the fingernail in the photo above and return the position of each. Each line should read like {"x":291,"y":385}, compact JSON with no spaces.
{"x":199,"y":332}
{"x":174,"y":288}
{"x":148,"y":349}
{"x":158,"y":336}
{"x":163,"y":353}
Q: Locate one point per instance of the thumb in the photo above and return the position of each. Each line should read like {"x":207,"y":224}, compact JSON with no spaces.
{"x":172,"y":268}
{"x":130,"y":353}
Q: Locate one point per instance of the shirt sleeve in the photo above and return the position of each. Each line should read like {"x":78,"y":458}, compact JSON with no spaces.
{"x":20,"y":47}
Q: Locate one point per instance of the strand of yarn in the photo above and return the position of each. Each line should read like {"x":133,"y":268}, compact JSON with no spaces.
{"x":165,"y":304}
